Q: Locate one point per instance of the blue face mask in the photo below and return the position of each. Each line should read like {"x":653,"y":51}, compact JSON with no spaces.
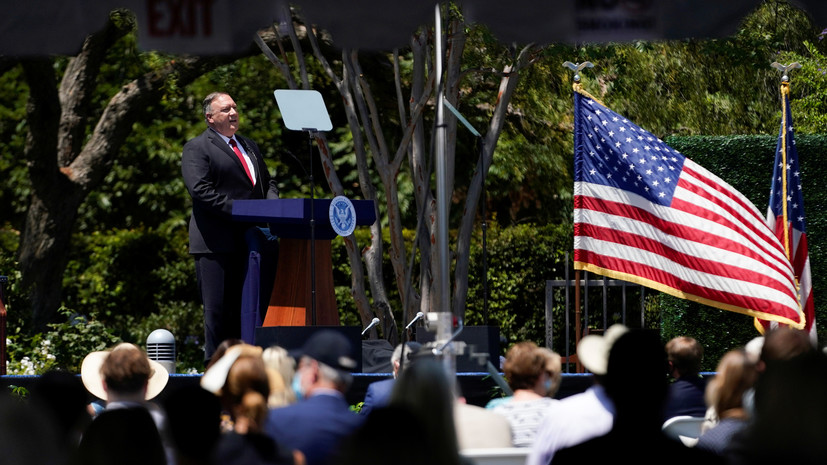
{"x":548,"y":385}
{"x":297,"y":386}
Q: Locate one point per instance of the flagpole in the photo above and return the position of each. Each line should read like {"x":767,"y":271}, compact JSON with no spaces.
{"x":578,"y":324}
{"x":785,"y":92}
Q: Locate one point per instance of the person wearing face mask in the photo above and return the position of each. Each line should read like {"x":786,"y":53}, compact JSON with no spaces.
{"x":527,"y":371}
{"x":321,"y":419}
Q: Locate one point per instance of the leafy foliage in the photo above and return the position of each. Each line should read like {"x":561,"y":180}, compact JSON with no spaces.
{"x":63,"y":347}
{"x":520,"y":260}
{"x":130,"y":273}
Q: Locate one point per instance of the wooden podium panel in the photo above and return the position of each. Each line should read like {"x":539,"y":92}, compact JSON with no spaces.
{"x":291,"y":300}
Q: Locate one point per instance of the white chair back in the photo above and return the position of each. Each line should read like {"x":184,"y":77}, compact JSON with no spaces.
{"x":684,"y":428}
{"x":497,"y":456}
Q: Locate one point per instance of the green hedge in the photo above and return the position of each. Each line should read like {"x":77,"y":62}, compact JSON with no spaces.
{"x":746,"y":162}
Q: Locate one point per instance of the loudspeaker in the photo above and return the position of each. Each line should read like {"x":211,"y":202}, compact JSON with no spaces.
{"x":478,"y":340}
{"x":294,"y":337}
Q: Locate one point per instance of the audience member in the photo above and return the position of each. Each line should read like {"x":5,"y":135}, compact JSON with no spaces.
{"x":63,"y":397}
{"x":125,"y":377}
{"x":379,"y":392}
{"x":390,"y":434}
{"x":193,"y":419}
{"x":788,"y":423}
{"x":220,"y":350}
{"x":735,"y":374}
{"x":686,"y":393}
{"x":426,"y":391}
{"x":321,"y":419}
{"x":528,"y":377}
{"x":583,"y":416}
{"x":783,"y":343}
{"x":243,"y":385}
{"x":778,"y":344}
{"x":278,"y":359}
{"x":554,"y":367}
{"x":28,"y":436}
{"x":480,"y":428}
{"x":123,"y":436}
{"x":636,"y":384}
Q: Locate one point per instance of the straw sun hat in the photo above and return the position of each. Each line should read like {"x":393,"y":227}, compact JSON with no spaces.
{"x":593,"y":350}
{"x":90,"y":372}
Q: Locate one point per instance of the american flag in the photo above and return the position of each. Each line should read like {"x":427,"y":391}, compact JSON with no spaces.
{"x":644,"y":213}
{"x":785,"y":214}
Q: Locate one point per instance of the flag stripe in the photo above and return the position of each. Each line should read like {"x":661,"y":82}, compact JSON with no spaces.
{"x":645,"y":213}
{"x":733,"y":300}
{"x":675,"y":267}
{"x":678,"y":237}
{"x":744,"y":219}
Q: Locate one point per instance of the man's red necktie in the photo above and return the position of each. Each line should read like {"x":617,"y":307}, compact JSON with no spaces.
{"x":241,"y":158}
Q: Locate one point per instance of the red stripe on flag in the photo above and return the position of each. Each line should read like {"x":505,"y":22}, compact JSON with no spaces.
{"x":706,"y":265}
{"x":733,"y":299}
{"x":678,"y":230}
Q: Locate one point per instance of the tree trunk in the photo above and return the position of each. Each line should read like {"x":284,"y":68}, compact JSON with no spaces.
{"x":507,"y":85}
{"x":65,"y":165}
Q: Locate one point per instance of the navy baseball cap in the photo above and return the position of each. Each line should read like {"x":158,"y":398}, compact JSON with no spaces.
{"x":330,"y":348}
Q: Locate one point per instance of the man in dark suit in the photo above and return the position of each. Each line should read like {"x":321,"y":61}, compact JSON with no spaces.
{"x":220,"y":166}
{"x":379,"y":392}
{"x":321,"y":420}
{"x":686,"y":393}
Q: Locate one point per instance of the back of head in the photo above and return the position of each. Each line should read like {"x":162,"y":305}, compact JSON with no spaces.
{"x":735,"y":374}
{"x":524,"y":364}
{"x":279,"y":360}
{"x":636,"y":379}
{"x":334,"y":354}
{"x":246,"y":391}
{"x":685,"y":354}
{"x":124,"y":436}
{"x":194,"y":418}
{"x":425,"y":389}
{"x":126,"y":369}
{"x":790,"y":422}
{"x":411,"y":348}
{"x":554,"y":368}
{"x":784,"y":343}
{"x":388,"y":435}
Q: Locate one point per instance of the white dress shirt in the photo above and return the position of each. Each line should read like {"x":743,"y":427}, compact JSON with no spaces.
{"x":572,"y":421}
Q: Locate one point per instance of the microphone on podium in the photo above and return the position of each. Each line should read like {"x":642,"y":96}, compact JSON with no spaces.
{"x":373,"y":323}
{"x":416,"y":318}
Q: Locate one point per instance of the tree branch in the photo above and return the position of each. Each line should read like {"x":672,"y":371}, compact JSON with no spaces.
{"x":79,"y":84}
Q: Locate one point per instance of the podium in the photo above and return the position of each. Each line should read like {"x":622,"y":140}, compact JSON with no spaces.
{"x":290,"y":303}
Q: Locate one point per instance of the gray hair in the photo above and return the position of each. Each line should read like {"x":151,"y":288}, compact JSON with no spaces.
{"x":412,"y":348}
{"x":339,"y":378}
{"x":207,"y":105}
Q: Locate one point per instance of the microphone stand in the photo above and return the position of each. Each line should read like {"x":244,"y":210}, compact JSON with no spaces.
{"x":312,"y":232}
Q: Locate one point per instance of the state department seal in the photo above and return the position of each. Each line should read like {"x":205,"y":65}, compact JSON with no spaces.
{"x":342,"y":216}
